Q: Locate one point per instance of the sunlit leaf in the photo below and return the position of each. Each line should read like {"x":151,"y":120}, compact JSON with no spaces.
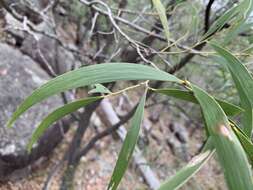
{"x":128,"y":146}
{"x":244,"y":84}
{"x":229,"y":109}
{"x":58,"y":114}
{"x":230,"y":152}
{"x":95,"y":74}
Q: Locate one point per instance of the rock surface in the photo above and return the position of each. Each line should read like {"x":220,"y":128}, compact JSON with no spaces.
{"x":46,"y":51}
{"x":19,"y":76}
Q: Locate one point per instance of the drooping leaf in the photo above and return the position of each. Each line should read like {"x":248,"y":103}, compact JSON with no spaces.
{"x":95,"y":74}
{"x":99,"y":88}
{"x":128,"y":146}
{"x":244,"y":84}
{"x":229,"y":109}
{"x":163,"y":17}
{"x":230,"y":152}
{"x":58,"y":114}
{"x":184,"y":174}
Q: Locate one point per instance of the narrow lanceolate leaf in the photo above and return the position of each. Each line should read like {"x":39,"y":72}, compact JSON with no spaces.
{"x":237,"y":28}
{"x":163,"y":17}
{"x":245,"y":141}
{"x":128,"y":146}
{"x":230,"y":152}
{"x":195,"y":20}
{"x":58,"y":114}
{"x":244,"y":84}
{"x":221,"y":21}
{"x":95,"y":74}
{"x":229,"y":109}
{"x":239,"y":13}
{"x":182,"y":176}
{"x":240,"y":24}
{"x":245,"y":8}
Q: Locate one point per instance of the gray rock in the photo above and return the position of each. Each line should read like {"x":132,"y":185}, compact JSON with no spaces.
{"x":19,"y":76}
{"x":29,"y":8}
{"x":47,"y":51}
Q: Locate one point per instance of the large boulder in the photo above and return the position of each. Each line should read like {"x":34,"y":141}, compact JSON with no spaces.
{"x":19,"y":76}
